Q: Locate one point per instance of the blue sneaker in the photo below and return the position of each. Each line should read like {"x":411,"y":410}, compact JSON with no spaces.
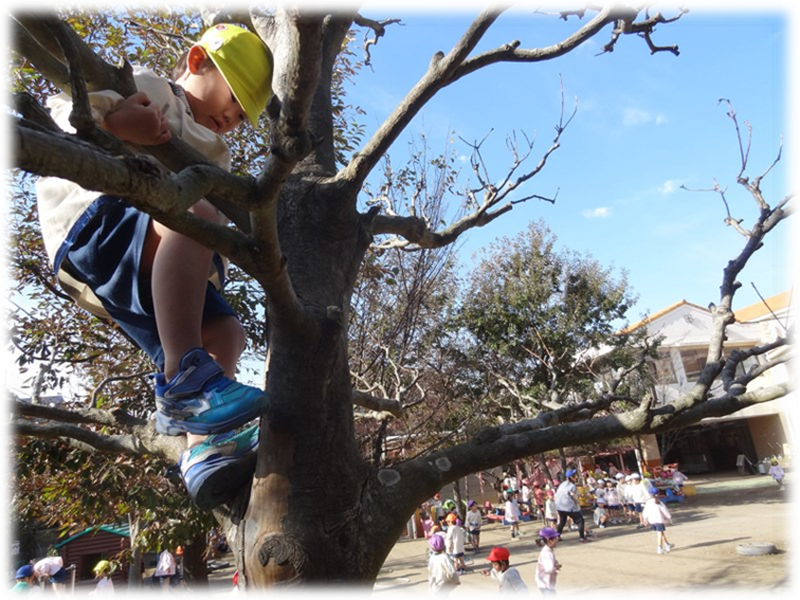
{"x":216,"y":470}
{"x":201,"y":400}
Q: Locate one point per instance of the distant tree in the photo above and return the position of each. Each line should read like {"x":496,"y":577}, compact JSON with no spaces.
{"x":544,"y":323}
{"x":303,"y":239}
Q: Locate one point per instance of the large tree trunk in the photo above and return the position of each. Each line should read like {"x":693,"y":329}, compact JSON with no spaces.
{"x":135,"y":565}
{"x":194,"y":561}
{"x":309,"y":506}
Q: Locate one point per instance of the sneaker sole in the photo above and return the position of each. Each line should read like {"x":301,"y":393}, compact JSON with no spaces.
{"x":224,"y":482}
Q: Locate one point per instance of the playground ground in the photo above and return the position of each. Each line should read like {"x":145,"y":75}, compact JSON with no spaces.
{"x":708,"y":529}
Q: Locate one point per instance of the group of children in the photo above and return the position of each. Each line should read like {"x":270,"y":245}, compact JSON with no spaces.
{"x":443,"y":577}
{"x":51,"y":569}
{"x":445,"y":567}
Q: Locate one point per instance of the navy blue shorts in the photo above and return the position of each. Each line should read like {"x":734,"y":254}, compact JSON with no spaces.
{"x":658,"y":527}
{"x":106,"y":256}
{"x":60,"y":576}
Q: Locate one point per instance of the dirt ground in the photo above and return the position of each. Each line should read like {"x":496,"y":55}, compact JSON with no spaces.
{"x":707,"y":529}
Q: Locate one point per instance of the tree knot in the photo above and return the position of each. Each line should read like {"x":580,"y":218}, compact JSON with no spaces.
{"x":487,"y":435}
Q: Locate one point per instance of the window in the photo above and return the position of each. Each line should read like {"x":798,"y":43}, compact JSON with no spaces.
{"x":743,"y":367}
{"x":87,"y":562}
{"x":662,"y":368}
{"x":693,"y":362}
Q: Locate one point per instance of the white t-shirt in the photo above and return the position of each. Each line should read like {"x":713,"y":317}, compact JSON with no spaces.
{"x":474,"y":519}
{"x":598,"y":515}
{"x":512,"y":512}
{"x":510,"y":581}
{"x":166,"y":564}
{"x":454,"y":539}
{"x":442,"y":576}
{"x":550,"y":511}
{"x":546,"y":571}
{"x":48,"y":566}
{"x":655,"y":512}
{"x":105,"y":587}
{"x":638,"y":493}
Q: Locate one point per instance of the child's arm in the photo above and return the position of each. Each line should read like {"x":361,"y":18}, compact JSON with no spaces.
{"x":138,"y":121}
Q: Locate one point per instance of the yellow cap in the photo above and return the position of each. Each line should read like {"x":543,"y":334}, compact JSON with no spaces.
{"x":103,"y":565}
{"x":246,"y":64}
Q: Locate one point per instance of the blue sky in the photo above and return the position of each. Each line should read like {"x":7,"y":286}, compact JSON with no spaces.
{"x":646,"y":125}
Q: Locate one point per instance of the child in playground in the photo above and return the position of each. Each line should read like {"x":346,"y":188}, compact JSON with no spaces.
{"x":601,"y":514}
{"x":474,"y":520}
{"x":656,"y":514}
{"x":105,"y":587}
{"x":612,"y":502}
{"x":162,"y":288}
{"x":550,"y":510}
{"x":512,"y":513}
{"x":454,"y":539}
{"x":547,"y":566}
{"x":442,"y":576}
{"x":776,"y":472}
{"x":25,"y":579}
{"x":51,"y":568}
{"x":508,"y":577}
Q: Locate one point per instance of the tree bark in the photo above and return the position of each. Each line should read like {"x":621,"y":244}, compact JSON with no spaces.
{"x":135,"y":567}
{"x":195,"y":562}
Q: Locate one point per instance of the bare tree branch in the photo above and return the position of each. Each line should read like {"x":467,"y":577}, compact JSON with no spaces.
{"x":378,"y":29}
{"x":166,"y":197}
{"x":438,"y":76}
{"x":733,"y":384}
{"x":82,"y":438}
{"x":379,"y":405}
{"x":422,"y":233}
{"x":88,"y":425}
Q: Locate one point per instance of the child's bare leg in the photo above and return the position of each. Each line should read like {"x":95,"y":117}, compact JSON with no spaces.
{"x":179,"y":277}
{"x":59,"y":589}
{"x":223,"y":337}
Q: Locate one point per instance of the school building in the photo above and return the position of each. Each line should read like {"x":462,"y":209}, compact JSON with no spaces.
{"x":744,"y":440}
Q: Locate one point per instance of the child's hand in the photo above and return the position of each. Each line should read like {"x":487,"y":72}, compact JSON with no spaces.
{"x":485,"y":572}
{"x":138,"y":121}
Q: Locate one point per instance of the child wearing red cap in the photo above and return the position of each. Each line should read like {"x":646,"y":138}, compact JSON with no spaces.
{"x":161,"y":288}
{"x":508,"y":578}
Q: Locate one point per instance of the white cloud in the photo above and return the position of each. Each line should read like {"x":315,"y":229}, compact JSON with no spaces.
{"x":669,"y":186}
{"x":601,"y":212}
{"x":633,"y":117}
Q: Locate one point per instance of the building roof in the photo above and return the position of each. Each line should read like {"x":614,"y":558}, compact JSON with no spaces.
{"x":773,"y":304}
{"x":120,"y":530}
{"x":657,"y":315}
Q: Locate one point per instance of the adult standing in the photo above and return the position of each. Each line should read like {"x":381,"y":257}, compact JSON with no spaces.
{"x":566,"y":501}
{"x":52,"y":568}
